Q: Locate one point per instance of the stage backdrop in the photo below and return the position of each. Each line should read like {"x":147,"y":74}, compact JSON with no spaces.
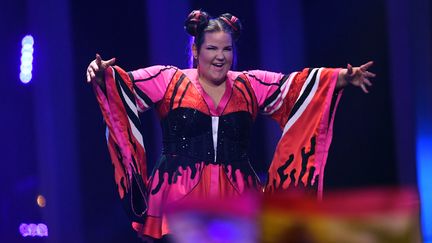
{"x":53,"y":136}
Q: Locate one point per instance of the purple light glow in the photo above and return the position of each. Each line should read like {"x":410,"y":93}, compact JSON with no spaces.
{"x":40,"y":230}
{"x":227,"y":230}
{"x":191,"y":57}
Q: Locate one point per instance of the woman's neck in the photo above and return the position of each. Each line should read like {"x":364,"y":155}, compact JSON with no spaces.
{"x":214,"y":89}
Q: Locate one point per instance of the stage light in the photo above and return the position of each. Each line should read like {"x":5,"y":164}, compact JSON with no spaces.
{"x":424,"y":170}
{"x":33,"y":230}
{"x":41,"y":202}
{"x":26,"y":59}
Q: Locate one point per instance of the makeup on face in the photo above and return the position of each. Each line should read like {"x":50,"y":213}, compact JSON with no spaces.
{"x":215,"y":57}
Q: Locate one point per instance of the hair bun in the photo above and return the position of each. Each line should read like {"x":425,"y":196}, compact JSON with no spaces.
{"x":196,"y":21}
{"x":233,"y":22}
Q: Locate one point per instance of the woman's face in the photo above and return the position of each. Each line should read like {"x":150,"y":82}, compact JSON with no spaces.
{"x":215,"y":57}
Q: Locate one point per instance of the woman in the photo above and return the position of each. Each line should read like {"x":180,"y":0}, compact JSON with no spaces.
{"x":206,"y":117}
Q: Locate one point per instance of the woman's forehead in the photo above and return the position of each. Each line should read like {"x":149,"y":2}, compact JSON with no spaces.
{"x":219,"y":38}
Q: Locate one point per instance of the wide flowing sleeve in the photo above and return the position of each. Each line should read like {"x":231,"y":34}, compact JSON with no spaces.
{"x":303,"y":104}
{"x":123,"y":96}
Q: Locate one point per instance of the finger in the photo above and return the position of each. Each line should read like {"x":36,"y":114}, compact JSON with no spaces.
{"x":92,"y":74}
{"x":98,"y":60}
{"x":349,"y":70}
{"x":110,"y":61}
{"x":363,"y":87}
{"x":366,"y":66}
{"x":369,"y":74}
{"x":94,"y":66}
{"x":367,"y":82}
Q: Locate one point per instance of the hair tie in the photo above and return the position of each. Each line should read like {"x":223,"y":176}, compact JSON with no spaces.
{"x":230,"y":21}
{"x":196,"y":21}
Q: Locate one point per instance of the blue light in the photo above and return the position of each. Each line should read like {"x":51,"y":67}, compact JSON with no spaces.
{"x":25,"y":77}
{"x":424,"y":170}
{"x":26,"y":59}
{"x":28,"y":39}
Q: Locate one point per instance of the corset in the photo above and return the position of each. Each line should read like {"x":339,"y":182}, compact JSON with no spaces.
{"x":188,"y":133}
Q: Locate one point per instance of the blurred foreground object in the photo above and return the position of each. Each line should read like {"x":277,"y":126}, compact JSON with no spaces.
{"x":216,"y":220}
{"x":380,"y":215}
{"x":355,"y":216}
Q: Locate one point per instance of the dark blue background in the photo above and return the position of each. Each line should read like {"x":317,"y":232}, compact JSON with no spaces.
{"x":52,"y":130}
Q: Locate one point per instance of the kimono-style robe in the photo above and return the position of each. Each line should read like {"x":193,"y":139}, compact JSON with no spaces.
{"x":205,"y":145}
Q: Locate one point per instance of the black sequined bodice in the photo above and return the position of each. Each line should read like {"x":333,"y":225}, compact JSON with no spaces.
{"x":188,"y":133}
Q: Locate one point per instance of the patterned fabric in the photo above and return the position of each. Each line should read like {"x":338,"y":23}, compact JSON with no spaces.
{"x":205,"y":144}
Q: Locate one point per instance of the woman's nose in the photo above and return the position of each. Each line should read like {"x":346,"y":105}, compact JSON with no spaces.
{"x":220,"y":55}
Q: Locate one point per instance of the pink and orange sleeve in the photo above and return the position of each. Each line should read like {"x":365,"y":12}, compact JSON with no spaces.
{"x":303,"y":104}
{"x":124,"y":95}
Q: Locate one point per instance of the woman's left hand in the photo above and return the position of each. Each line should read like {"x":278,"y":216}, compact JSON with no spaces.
{"x":359,"y":76}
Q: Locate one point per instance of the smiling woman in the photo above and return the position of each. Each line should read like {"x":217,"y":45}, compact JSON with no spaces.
{"x":214,"y":57}
{"x":214,"y":61}
{"x":206,"y":117}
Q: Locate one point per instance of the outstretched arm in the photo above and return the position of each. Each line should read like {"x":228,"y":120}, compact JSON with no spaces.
{"x":357,"y":76}
{"x":115,"y":94}
{"x":121,"y":96}
{"x":96,"y":70}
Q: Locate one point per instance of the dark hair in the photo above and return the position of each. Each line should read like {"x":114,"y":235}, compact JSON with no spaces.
{"x":199,"y":22}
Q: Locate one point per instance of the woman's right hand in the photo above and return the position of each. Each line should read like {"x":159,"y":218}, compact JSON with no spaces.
{"x":96,"y":69}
